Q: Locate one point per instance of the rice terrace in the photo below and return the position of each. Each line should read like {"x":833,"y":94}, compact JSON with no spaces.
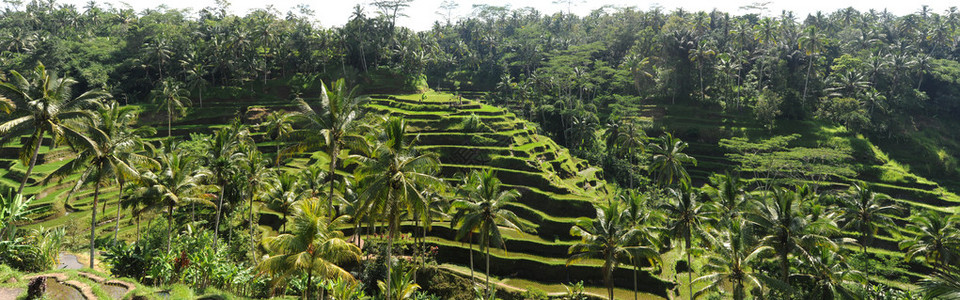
{"x":565,"y":150}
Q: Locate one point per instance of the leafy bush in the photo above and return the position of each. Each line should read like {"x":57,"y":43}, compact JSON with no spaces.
{"x":127,"y":260}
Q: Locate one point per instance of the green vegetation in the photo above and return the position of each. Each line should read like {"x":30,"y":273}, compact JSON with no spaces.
{"x":580,"y":154}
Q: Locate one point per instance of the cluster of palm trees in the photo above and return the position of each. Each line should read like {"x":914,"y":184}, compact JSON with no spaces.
{"x":778,"y":242}
{"x":389,"y":180}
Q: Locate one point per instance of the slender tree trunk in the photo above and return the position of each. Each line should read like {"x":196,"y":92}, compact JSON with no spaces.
{"x":33,"y":161}
{"x":216,"y":222}
{"x":472,"y":278}
{"x":116,"y":230}
{"x":93,"y":219}
{"x":138,"y":227}
{"x":489,"y":288}
{"x":170,"y":225}
{"x":689,"y":272}
{"x":784,"y":268}
{"x":333,"y":168}
{"x":253,"y":241}
{"x":806,"y":81}
{"x":309,"y":283}
{"x":636,"y":270}
{"x":169,"y":118}
{"x":390,"y":257}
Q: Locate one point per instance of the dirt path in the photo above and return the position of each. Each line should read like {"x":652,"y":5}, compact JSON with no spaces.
{"x":69,"y":262}
{"x":10,"y":293}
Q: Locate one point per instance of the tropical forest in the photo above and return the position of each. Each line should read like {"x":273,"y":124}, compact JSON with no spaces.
{"x":506,"y":153}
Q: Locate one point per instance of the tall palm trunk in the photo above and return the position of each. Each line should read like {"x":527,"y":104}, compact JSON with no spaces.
{"x":489,"y":289}
{"x":390,"y":257}
{"x":170,"y":225}
{"x":806,"y":81}
{"x":169,"y":117}
{"x":116,"y":230}
{"x":472,"y":278}
{"x":33,"y":161}
{"x":689,"y":266}
{"x":333,"y":168}
{"x":309,"y":283}
{"x":216,"y":220}
{"x":253,"y":241}
{"x":93,"y":218}
{"x":636,"y":294}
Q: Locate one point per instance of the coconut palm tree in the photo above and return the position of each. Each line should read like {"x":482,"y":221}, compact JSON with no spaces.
{"x":937,"y":239}
{"x":646,"y":221}
{"x":829,"y":275}
{"x":686,"y":217}
{"x":257,"y":174}
{"x":728,"y":195}
{"x":283,"y":192}
{"x":110,"y":157}
{"x":731,"y":264}
{"x":314,"y":247}
{"x":669,"y":160}
{"x":278,"y":126}
{"x":225,"y":152}
{"x":863,"y":211}
{"x":942,"y":285}
{"x":612,"y":238}
{"x":484,"y":212}
{"x":331,"y":123}
{"x":178,"y":181}
{"x":784,"y":226}
{"x":392,"y":177}
{"x":172,"y":98}
{"x":45,"y":105}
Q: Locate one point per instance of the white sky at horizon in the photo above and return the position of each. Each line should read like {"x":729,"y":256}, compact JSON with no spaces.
{"x":422,"y":13}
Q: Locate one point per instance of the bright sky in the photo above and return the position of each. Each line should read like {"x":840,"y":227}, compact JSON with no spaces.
{"x":422,"y":13}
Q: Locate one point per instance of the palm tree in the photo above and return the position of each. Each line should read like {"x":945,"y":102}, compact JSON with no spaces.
{"x":937,"y":240}
{"x":283,"y":193}
{"x":669,"y":160}
{"x":196,"y":72}
{"x":331,"y":124}
{"x":278,"y":127}
{"x":225,"y":152}
{"x":830,"y":275}
{"x":942,"y":285}
{"x":115,"y":122}
{"x":625,"y":140}
{"x":257,"y":172}
{"x":314,"y":247}
{"x":731,"y":264}
{"x":392,"y":177}
{"x":611,"y":238}
{"x":111,"y":155}
{"x":812,"y":43}
{"x":864,"y":212}
{"x":485,"y":212}
{"x":786,"y":228}
{"x":729,"y":196}
{"x":172,"y":98}
{"x":47,"y":107}
{"x":178,"y":181}
{"x":645,"y":220}
{"x":685,"y":218}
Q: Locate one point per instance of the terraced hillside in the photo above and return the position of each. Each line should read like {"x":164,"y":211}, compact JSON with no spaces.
{"x":703,"y":128}
{"x":555,"y":187}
